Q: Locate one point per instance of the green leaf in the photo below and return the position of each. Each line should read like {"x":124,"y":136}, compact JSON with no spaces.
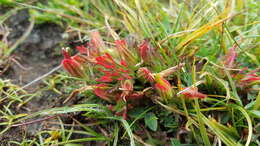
{"x":175,"y":142}
{"x":151,"y":121}
{"x":254,"y":113}
{"x":257,"y":102}
{"x":249,"y":122}
{"x":218,"y":130}
{"x":127,"y":128}
{"x":231,"y":131}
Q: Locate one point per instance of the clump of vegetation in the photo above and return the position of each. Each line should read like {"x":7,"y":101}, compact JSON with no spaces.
{"x":128,"y":81}
{"x":163,"y":73}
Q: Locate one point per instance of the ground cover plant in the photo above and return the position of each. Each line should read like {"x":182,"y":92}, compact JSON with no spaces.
{"x":129,"y":72}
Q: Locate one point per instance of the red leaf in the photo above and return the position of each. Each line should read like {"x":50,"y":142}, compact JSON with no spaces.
{"x":71,"y":65}
{"x":230,"y":57}
{"x":145,"y":74}
{"x":83,"y":50}
{"x":193,"y":93}
{"x":101,"y":92}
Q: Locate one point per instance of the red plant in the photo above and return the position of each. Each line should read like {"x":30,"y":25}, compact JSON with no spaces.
{"x":112,"y":71}
{"x":127,"y":87}
{"x":101,"y":91}
{"x":230,"y":57}
{"x":245,"y":79}
{"x":96,"y":41}
{"x":145,"y":51}
{"x":163,"y":87}
{"x":249,"y":79}
{"x":144,"y":74}
{"x":83,"y":50}
{"x":72,"y":66}
{"x":116,"y":76}
{"x":192,"y":93}
{"x":81,"y":59}
{"x":124,"y":52}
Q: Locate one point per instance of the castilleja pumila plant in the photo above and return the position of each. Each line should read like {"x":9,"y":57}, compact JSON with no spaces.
{"x":117,"y":69}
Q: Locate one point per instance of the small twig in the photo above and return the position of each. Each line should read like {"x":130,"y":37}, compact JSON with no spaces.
{"x":139,"y":139}
{"x":34,"y":121}
{"x":76,"y":92}
{"x":192,"y":86}
{"x":19,"y":64}
{"x":171,"y":70}
{"x":111,"y":31}
{"x":41,"y":77}
{"x":103,"y":131}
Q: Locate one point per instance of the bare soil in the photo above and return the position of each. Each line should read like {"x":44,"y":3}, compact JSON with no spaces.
{"x":35,"y":56}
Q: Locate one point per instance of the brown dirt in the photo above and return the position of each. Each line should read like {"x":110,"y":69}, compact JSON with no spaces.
{"x":38,"y":56}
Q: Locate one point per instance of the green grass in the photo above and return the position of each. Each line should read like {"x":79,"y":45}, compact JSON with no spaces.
{"x":181,"y":32}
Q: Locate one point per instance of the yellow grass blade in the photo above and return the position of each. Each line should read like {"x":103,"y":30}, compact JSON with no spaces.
{"x":197,"y":33}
